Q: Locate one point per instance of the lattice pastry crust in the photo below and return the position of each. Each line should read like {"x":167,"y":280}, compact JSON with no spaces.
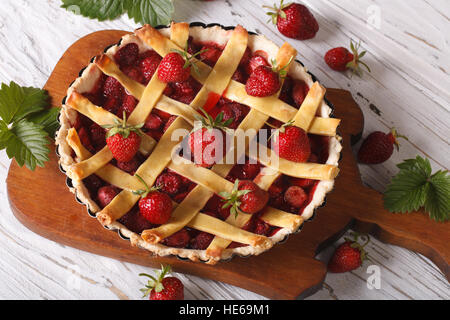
{"x":313,"y":116}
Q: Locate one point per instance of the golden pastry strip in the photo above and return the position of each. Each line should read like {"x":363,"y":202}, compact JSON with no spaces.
{"x":183,"y":213}
{"x":266,"y":178}
{"x":100,"y":116}
{"x":206,"y":223}
{"x":97,"y":114}
{"x":255,"y":120}
{"x":179,"y":33}
{"x":85,"y":168}
{"x":281,"y":218}
{"x":272,"y":106}
{"x":74,"y":142}
{"x":177,"y":108}
{"x":220,"y":76}
{"x":148,"y":171}
{"x":149,"y":98}
{"x":208,"y":181}
{"x":306,"y":170}
{"x":324,"y":126}
{"x":163,"y":46}
{"x":218,"y":79}
{"x":108,"y":173}
{"x":308,"y":109}
{"x":202,"y":176}
{"x":110,"y":68}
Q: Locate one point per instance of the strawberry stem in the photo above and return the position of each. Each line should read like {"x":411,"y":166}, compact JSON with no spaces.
{"x":276,"y":12}
{"x":155,"y":283}
{"x":233,"y":199}
{"x":122,"y":128}
{"x":354,"y":65}
{"x":209,"y":123}
{"x":144,"y":193}
{"x":395,"y":135}
{"x":281,"y":129}
{"x":189,"y":58}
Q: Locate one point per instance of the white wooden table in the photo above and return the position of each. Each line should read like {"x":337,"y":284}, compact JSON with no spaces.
{"x":408,"y":45}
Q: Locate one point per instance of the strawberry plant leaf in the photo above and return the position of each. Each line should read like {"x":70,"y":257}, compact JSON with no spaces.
{"x":153,"y":12}
{"x":17,"y":102}
{"x":26,"y":142}
{"x":437,"y":202}
{"x":100,"y":9}
{"x":414,"y":187}
{"x":47,"y":118}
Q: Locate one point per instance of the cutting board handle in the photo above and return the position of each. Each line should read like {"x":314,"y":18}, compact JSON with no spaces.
{"x":414,"y":231}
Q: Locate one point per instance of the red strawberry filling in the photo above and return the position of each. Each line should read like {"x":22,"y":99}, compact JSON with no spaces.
{"x":210,"y":53}
{"x":106,"y":194}
{"x":286,"y":193}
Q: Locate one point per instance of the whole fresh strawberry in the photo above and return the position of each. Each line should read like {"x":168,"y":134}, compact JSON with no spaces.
{"x":348,"y":256}
{"x":341,"y":59}
{"x":246,"y":196}
{"x":294,"y":20}
{"x":123,"y":140}
{"x":291,"y":143}
{"x":154,"y":206}
{"x":173,"y":68}
{"x":162,"y":287}
{"x":255,"y":61}
{"x":208,"y":138}
{"x":379,"y":147}
{"x":176,"y":66}
{"x":265,"y":81}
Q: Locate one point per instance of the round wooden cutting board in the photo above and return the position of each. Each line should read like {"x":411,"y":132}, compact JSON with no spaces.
{"x":288,"y":270}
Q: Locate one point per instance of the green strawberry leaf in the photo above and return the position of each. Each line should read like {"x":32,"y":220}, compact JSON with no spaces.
{"x":17,"y":102}
{"x":437,"y":202}
{"x":47,"y":118}
{"x":26,"y":142}
{"x":100,"y":9}
{"x":153,"y":12}
{"x":414,"y":187}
